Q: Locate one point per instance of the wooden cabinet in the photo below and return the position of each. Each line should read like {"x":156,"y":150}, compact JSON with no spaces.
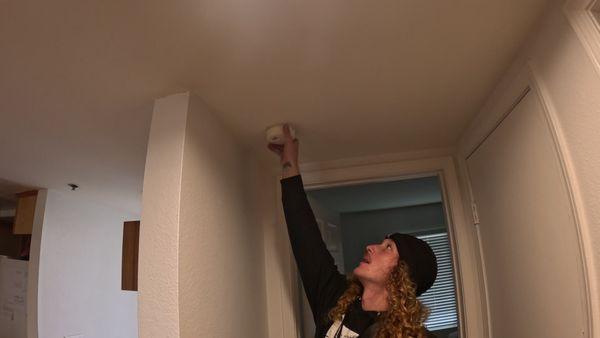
{"x":25,"y":212}
{"x":131,"y":243}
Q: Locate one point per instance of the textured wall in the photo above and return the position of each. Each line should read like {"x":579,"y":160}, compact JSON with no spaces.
{"x":572,"y":82}
{"x":159,"y":229}
{"x":221,"y":273}
{"x":569,"y":80}
{"x":201,"y":248}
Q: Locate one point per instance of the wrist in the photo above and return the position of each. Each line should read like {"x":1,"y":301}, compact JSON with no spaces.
{"x":290,"y":169}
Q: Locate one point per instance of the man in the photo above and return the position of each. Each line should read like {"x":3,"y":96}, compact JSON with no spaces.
{"x":379,"y":299}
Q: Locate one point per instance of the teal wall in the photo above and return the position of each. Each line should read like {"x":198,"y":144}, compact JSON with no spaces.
{"x":360,"y":229}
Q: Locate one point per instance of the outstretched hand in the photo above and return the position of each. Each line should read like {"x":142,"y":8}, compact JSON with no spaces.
{"x":287,"y":152}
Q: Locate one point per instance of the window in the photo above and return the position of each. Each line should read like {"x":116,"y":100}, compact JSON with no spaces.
{"x":441,"y":298}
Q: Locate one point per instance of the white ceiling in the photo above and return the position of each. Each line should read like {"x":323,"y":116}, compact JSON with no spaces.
{"x":8,"y":191}
{"x":77,"y":78}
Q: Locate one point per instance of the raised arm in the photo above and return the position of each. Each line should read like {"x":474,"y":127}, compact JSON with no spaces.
{"x":288,"y":154}
{"x":321,"y":279}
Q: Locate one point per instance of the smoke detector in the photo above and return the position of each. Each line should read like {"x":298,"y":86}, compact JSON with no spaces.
{"x":275,"y":133}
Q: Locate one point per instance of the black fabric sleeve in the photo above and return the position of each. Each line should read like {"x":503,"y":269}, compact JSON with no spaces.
{"x":322,"y":281}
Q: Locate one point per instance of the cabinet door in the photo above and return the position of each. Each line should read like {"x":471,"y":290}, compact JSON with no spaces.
{"x":25,"y":212}
{"x":528,"y":235}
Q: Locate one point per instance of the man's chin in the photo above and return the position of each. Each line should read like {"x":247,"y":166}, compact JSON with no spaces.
{"x":358,"y":272}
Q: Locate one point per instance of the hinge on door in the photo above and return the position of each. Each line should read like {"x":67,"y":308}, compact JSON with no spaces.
{"x":475,"y":214}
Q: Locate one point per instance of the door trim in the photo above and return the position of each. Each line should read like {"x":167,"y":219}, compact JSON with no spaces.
{"x":462,"y":236}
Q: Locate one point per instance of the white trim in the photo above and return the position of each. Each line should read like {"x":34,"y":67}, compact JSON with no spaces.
{"x":280,"y":272}
{"x":384,"y":158}
{"x":468,"y":202}
{"x":485,"y":300}
{"x":461,"y":233}
{"x":586,"y":26}
{"x":452,"y":202}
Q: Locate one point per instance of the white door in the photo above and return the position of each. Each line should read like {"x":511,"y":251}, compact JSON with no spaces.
{"x":528,"y":235}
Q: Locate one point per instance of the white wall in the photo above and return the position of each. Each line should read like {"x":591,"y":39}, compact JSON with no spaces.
{"x":79,"y":283}
{"x":201,"y":250}
{"x":555,"y":60}
{"x":13,"y":286}
{"x":159,"y":229}
{"x":282,"y":297}
{"x":221,"y":266}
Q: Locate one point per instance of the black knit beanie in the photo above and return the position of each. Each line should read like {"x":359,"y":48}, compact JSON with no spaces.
{"x":420,"y":259}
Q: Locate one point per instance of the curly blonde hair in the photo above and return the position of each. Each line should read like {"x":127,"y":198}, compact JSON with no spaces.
{"x":405,"y":315}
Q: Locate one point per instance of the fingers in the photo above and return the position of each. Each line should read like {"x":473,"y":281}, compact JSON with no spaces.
{"x":286,"y":132}
{"x":276,"y":148}
{"x":288,"y":151}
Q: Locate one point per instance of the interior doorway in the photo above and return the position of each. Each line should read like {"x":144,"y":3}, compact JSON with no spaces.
{"x":353,"y":216}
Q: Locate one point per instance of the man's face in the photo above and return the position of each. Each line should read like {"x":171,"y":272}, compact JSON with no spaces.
{"x":378,"y":261}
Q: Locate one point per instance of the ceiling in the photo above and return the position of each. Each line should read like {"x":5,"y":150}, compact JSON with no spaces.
{"x":8,"y":193}
{"x":380,"y":195}
{"x":356,"y":77}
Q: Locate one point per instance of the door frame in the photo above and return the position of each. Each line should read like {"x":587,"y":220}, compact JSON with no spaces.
{"x":469,"y":287}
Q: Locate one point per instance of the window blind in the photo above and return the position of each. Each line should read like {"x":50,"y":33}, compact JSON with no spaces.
{"x":441,"y":297}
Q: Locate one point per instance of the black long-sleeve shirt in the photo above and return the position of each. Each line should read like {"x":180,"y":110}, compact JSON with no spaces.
{"x":322,"y":281}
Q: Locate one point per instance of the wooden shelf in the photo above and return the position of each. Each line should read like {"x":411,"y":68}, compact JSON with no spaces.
{"x":25,"y":212}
